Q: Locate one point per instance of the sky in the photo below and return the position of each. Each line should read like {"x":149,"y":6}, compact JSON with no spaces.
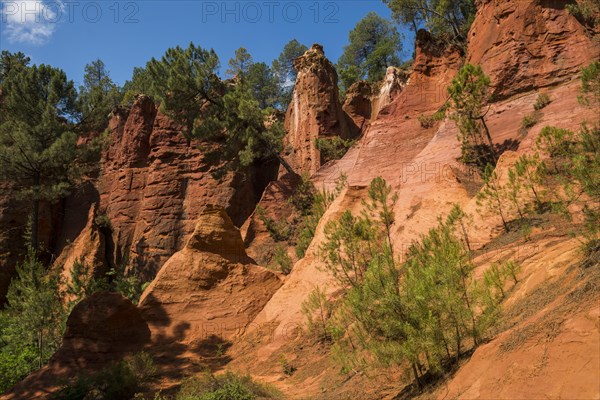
{"x":125,"y":34}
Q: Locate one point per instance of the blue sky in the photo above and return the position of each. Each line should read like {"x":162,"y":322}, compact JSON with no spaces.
{"x":124,"y":34}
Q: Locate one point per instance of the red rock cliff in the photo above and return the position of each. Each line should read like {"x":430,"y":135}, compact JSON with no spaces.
{"x":154,"y":185}
{"x":315,"y":111}
{"x":523,"y":45}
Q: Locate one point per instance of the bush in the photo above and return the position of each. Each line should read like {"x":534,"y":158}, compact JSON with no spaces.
{"x":120,"y":381}
{"x":280,"y":231}
{"x":228,"y":386}
{"x":333,"y":148}
{"x":103,"y":222}
{"x":286,"y":367}
{"x":32,"y":322}
{"x":304,"y":195}
{"x":542,"y":101}
{"x":426,"y":121}
{"x":590,"y":84}
{"x":529,"y":121}
{"x":283,"y":260}
{"x":318,"y":311}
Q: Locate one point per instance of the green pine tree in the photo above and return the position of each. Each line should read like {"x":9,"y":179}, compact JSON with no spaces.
{"x":38,"y":149}
{"x":374,"y":45}
{"x":442,"y":18}
{"x":32,"y":324}
{"x":97,"y":97}
{"x":492,"y":194}
{"x":469,"y":96}
{"x":286,"y":74}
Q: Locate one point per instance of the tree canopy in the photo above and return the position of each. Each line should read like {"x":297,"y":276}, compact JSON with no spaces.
{"x":97,"y":96}
{"x":186,"y":83}
{"x":469,"y":95}
{"x":286,"y":74}
{"x":9,"y":62}
{"x":374,"y":45}
{"x":443,"y":18}
{"x":38,"y":148}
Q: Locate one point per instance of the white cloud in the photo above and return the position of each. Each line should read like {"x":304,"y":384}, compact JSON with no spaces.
{"x":30,"y":21}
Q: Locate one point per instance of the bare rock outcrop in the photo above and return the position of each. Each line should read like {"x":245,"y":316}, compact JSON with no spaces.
{"x":275,"y":205}
{"x":155,"y":184}
{"x":210,"y":288}
{"x":524,"y":45}
{"x":315,"y":111}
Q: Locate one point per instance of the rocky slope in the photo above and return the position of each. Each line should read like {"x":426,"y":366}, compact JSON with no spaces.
{"x":421,"y":165}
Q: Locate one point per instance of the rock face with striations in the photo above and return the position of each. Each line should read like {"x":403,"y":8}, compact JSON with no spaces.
{"x":211,"y":287}
{"x":155,"y":184}
{"x":523,"y":45}
{"x":315,"y":111}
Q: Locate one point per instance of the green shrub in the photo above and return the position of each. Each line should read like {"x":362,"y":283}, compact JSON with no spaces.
{"x":426,"y":121}
{"x":103,"y":222}
{"x":280,"y":231}
{"x":333,"y":148}
{"x":286,"y":367}
{"x":529,"y":121}
{"x":32,"y":322}
{"x":283,"y":260}
{"x":120,"y":381}
{"x":304,"y":195}
{"x":228,"y":386}
{"x":318,"y":309}
{"x":590,"y":84}
{"x":542,"y":101}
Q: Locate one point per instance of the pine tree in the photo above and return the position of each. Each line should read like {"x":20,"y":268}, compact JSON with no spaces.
{"x":440,"y":17}
{"x":531,"y":171}
{"x":34,"y":318}
{"x":10,"y":63}
{"x":184,"y":81}
{"x":492,"y":194}
{"x":469,"y":95}
{"x":263,"y":85}
{"x":97,"y":97}
{"x":38,"y":150}
{"x":374,"y":45}
{"x":237,"y":120}
{"x":513,"y":191}
{"x":286,"y":74}
{"x":239,"y":66}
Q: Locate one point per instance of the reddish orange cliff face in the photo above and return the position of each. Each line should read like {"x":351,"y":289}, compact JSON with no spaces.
{"x":528,"y":45}
{"x":154,"y":185}
{"x":315,"y":111}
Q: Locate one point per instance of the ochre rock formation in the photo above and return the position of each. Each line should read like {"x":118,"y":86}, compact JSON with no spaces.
{"x":89,"y":249}
{"x":527,"y":45}
{"x":259,"y":243}
{"x":315,"y":111}
{"x":358,"y":104}
{"x":211,"y":287}
{"x":155,"y":184}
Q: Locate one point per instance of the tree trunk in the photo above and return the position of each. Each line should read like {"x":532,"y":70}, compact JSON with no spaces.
{"x":417,"y":378}
{"x":35,"y":213}
{"x":285,"y":164}
{"x":489,"y":138}
{"x":40,"y":349}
